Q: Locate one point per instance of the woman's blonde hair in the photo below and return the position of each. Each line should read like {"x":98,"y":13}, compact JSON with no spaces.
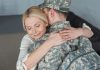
{"x":34,"y":11}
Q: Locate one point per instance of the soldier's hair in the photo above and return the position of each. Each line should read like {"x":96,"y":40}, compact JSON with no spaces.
{"x":59,"y":12}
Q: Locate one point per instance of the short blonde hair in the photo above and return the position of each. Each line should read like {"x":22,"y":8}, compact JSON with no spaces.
{"x":34,"y":11}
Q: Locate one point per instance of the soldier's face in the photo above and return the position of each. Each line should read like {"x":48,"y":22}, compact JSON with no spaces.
{"x":52,"y":15}
{"x":47,"y":12}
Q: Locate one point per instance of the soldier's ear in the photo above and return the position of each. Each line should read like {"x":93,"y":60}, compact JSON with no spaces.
{"x":52,"y":12}
{"x":47,"y":24}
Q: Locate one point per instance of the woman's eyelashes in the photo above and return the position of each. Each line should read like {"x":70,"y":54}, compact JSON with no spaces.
{"x":28,"y":28}
{"x":37,"y":25}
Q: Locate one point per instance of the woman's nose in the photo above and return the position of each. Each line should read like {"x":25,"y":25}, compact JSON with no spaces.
{"x":34,"y":31}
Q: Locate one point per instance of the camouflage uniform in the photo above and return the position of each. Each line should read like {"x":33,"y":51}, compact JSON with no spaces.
{"x":75,"y":54}
{"x":84,"y":58}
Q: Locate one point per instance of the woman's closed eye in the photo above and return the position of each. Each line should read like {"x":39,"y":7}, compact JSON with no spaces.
{"x":28,"y":28}
{"x":37,"y":25}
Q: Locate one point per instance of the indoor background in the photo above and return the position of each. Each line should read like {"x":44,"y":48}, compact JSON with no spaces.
{"x":88,"y":9}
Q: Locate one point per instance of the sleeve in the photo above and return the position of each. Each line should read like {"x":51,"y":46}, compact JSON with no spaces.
{"x":23,"y":54}
{"x":86,"y":26}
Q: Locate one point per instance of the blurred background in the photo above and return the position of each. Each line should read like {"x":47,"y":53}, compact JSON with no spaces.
{"x":88,"y":9}
{"x":11,"y":30}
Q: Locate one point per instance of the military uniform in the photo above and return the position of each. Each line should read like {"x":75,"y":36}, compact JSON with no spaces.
{"x":85,"y":57}
{"x":75,"y":54}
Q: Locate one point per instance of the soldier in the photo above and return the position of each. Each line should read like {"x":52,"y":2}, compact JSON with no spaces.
{"x":75,"y":54}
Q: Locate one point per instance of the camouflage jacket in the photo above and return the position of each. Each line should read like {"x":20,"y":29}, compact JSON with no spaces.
{"x":84,"y":58}
{"x":60,"y":57}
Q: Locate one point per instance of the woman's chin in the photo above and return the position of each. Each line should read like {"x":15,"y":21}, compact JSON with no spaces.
{"x":37,"y":37}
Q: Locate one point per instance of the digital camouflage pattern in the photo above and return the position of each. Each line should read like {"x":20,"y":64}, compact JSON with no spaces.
{"x":76,"y":54}
{"x":61,"y":5}
{"x":84,"y":58}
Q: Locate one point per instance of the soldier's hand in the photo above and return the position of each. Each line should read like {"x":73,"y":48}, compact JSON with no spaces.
{"x":71,"y":33}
